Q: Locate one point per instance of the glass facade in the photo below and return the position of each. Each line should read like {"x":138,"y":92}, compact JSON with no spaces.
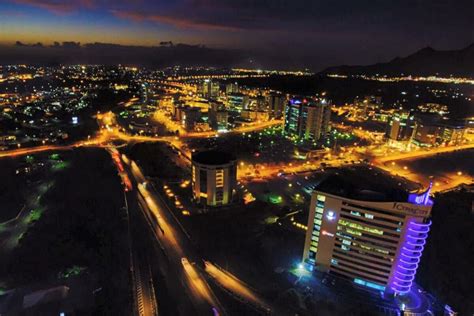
{"x":365,"y":244}
{"x":307,"y":119}
{"x":372,"y":244}
{"x":318,"y":215}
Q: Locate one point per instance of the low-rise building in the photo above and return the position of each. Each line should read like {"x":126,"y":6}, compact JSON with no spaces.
{"x":214,"y":177}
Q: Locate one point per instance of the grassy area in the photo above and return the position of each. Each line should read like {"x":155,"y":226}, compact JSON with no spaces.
{"x":77,"y":227}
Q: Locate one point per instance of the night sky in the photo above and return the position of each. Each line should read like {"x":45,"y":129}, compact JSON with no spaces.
{"x":317,"y":33}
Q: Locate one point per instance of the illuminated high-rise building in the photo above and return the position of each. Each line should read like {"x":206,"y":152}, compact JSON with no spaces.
{"x":425,"y":131}
{"x":375,"y":239}
{"x":238,"y":101}
{"x":400,"y":126}
{"x":308,"y":118}
{"x":218,"y":116}
{"x":208,"y":89}
{"x":232,"y":87}
{"x":276,"y":104}
{"x":187,"y":116}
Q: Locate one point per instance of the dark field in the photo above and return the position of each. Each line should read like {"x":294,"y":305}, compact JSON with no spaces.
{"x":74,"y":238}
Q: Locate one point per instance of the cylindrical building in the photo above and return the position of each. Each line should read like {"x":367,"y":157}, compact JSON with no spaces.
{"x":214,"y":177}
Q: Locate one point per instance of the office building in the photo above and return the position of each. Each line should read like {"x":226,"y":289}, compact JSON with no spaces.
{"x":232,"y":87}
{"x":208,"y":89}
{"x":218,"y":116}
{"x":426,"y":131}
{"x":434,"y":130}
{"x":260,"y":103}
{"x":145,"y":93}
{"x":367,"y":230}
{"x":276,"y":104}
{"x":255,"y":116}
{"x":400,"y":126}
{"x":238,"y":101}
{"x":214,"y":177}
{"x":187,"y":116}
{"x":307,"y":118}
{"x":452,"y":133}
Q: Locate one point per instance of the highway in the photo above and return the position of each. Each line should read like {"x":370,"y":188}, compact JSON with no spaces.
{"x":140,"y":271}
{"x":144,"y":293}
{"x":236,"y":287}
{"x":422,"y":153}
{"x":183,"y":264}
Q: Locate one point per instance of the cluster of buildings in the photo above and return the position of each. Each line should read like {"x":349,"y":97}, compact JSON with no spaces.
{"x":425,"y":129}
{"x":363,"y":228}
{"x":425,"y":126}
{"x":213,"y":105}
{"x":223,"y":106}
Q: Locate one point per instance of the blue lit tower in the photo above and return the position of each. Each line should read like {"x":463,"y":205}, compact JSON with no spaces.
{"x":307,"y":118}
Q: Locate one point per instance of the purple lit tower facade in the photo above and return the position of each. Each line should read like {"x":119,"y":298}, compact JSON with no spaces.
{"x":412,"y":244}
{"x":376,"y":244}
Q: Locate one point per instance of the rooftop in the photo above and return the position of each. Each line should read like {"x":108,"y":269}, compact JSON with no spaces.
{"x":213,"y":157}
{"x":366,"y":184}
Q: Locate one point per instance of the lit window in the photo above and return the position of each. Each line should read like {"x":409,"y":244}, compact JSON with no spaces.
{"x":360,"y":227}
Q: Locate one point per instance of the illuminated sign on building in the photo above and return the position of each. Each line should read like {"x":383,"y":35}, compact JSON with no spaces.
{"x":326,"y":233}
{"x":410,"y":209}
{"x":421,"y":199}
{"x":331,"y":215}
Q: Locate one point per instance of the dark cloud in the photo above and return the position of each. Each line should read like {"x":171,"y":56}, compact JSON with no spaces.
{"x":312,"y":33}
{"x":58,"y":6}
{"x":180,"y":22}
{"x":112,"y":54}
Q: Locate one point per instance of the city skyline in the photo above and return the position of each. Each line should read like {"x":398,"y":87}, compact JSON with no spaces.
{"x":236,"y":157}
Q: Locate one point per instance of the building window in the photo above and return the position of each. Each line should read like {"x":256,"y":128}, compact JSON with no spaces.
{"x":203,"y":180}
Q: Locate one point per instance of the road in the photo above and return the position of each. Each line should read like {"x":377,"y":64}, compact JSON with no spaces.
{"x":236,"y":287}
{"x":422,"y":153}
{"x":182,"y":261}
{"x":140,"y":271}
{"x":145,"y":298}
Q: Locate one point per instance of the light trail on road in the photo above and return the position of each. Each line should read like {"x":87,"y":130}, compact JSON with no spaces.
{"x":234,"y":285}
{"x":197,"y":284}
{"x":422,"y":153}
{"x":176,"y":245}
